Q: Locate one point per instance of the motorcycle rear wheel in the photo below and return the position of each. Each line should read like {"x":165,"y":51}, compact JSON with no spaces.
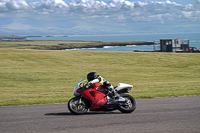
{"x":130,"y":104}
{"x":77,"y":106}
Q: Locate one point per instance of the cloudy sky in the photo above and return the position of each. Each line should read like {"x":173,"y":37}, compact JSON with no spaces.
{"x":98,"y":17}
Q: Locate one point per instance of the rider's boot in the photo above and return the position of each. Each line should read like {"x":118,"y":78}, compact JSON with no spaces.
{"x":115,"y":94}
{"x":110,"y":97}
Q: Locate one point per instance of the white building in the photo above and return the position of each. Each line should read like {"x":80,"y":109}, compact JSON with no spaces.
{"x":173,"y":45}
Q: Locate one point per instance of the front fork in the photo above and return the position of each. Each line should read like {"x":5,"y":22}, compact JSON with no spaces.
{"x":80,"y":100}
{"x":83,"y":100}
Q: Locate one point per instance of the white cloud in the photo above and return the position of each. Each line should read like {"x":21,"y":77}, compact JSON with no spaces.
{"x":92,"y":7}
{"x":7,"y":5}
{"x":114,"y":12}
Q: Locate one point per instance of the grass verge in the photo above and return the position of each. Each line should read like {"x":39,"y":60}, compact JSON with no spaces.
{"x":42,"y":76}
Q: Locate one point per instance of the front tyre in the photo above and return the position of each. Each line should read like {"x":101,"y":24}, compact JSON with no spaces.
{"x":77,"y":106}
{"x":128,"y":106}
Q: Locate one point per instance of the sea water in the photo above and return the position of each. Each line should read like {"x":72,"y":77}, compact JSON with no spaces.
{"x":194,"y":39}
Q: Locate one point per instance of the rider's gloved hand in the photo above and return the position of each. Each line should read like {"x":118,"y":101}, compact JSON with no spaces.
{"x":89,"y":83}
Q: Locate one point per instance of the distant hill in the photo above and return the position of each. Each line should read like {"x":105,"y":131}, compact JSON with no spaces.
{"x":12,"y":37}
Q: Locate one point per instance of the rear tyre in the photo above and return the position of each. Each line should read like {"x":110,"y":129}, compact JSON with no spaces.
{"x":77,"y":106}
{"x":128,"y":106}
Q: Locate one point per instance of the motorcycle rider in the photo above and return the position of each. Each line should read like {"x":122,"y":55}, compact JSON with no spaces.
{"x":93,"y":78}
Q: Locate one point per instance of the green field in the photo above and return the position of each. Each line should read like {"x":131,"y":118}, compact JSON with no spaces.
{"x":46,"y":76}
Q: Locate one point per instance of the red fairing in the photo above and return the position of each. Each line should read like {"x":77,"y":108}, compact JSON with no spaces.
{"x":95,"y":95}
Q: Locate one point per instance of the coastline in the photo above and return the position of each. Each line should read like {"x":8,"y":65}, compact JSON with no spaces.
{"x":108,"y":44}
{"x":21,"y":43}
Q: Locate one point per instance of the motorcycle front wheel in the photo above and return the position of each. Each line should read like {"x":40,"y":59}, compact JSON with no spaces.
{"x":77,"y":106}
{"x":128,"y":106}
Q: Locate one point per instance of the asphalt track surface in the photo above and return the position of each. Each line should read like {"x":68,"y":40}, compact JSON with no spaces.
{"x":158,"y":115}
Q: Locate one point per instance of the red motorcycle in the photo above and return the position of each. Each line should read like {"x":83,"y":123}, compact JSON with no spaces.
{"x":95,"y":98}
